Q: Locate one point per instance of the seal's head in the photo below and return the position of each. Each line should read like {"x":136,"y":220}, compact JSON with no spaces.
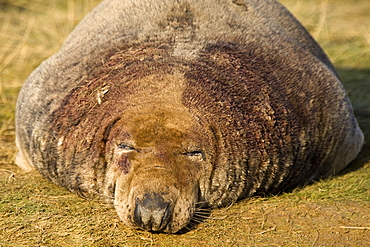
{"x":157,"y":157}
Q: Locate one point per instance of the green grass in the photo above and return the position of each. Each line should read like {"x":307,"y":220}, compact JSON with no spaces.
{"x":34,"y":212}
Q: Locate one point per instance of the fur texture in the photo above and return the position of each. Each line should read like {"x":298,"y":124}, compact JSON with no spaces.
{"x":164,"y":107}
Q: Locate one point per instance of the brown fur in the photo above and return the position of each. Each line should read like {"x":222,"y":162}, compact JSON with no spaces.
{"x":185,"y":111}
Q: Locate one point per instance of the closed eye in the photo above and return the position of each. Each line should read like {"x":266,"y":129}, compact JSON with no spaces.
{"x":125,"y":148}
{"x":195,"y":154}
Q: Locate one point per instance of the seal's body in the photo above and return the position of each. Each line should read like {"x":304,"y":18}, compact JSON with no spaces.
{"x":164,"y":107}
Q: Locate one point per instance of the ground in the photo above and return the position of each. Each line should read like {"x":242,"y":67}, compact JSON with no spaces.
{"x":332,"y":212}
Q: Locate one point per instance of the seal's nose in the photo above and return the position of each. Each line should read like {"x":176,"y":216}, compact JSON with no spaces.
{"x":152,"y":213}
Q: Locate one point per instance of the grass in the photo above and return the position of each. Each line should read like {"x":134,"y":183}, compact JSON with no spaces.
{"x":34,"y":212}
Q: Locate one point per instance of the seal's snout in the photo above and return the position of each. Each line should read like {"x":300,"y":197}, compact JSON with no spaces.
{"x":152,"y":213}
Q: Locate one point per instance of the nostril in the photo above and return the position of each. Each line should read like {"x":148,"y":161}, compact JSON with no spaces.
{"x":166,"y":217}
{"x":152,"y":213}
{"x":137,"y":215}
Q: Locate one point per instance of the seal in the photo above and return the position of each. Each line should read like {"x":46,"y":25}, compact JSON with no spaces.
{"x":163,"y":108}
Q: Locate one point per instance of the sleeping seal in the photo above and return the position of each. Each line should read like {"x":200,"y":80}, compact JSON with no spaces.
{"x":166,"y":107}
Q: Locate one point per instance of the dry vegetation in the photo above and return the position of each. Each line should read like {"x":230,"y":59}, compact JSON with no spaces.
{"x":333,"y":212}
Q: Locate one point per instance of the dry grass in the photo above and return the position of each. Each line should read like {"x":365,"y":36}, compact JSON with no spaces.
{"x":35,"y":212}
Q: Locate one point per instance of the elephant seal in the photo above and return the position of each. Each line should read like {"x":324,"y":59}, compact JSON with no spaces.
{"x":165,"y":107}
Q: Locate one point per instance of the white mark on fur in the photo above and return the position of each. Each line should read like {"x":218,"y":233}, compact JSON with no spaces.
{"x":101,"y":93}
{"x":60,"y":141}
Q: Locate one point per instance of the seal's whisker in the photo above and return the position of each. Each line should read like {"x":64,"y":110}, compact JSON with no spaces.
{"x":188,"y":227}
{"x":205,"y":216}
{"x":203,"y":209}
{"x":101,"y":195}
{"x":200,"y":203}
{"x":198,"y":220}
{"x":202,"y":213}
